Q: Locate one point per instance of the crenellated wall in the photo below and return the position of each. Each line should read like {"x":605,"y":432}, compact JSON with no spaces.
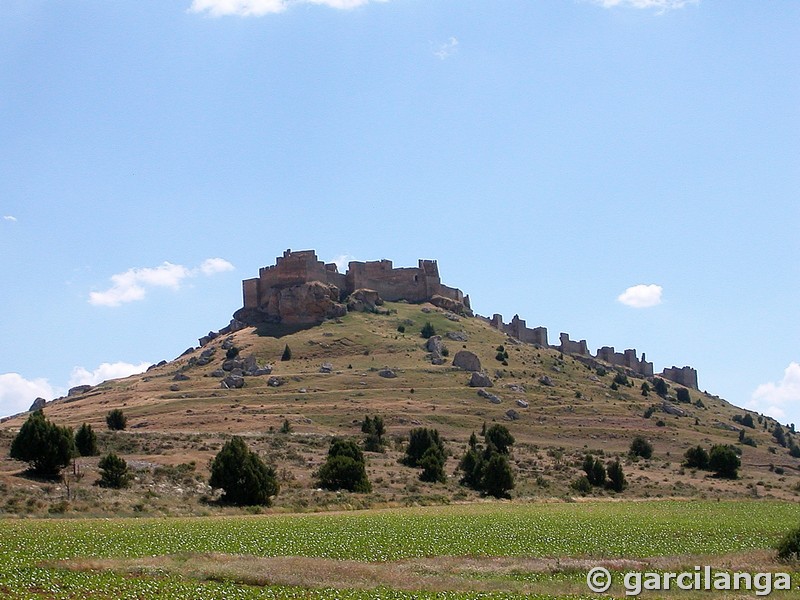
{"x":686,"y":376}
{"x":414,"y":284}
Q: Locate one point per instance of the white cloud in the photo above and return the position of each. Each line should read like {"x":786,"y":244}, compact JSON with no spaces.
{"x":132,"y":285}
{"x":17,"y":393}
{"x":106,"y":371}
{"x":342,"y":261}
{"x":447,"y":49}
{"x":11,"y":218}
{"x":641,"y":296}
{"x":661,"y":6}
{"x":776,"y":399}
{"x":259,"y":8}
{"x":212,"y":266}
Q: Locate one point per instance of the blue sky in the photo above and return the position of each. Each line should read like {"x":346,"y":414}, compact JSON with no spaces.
{"x":551,"y":154}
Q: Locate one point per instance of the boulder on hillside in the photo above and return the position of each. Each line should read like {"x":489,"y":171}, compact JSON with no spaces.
{"x":326,"y":368}
{"x":78,"y":389}
{"x":387,"y":373}
{"x":38,"y":404}
{"x":364,"y":300}
{"x":454,"y":306}
{"x":479,"y":379}
{"x":489,"y":396}
{"x":232,"y":382}
{"x":466,"y":360}
{"x":457,"y":336}
{"x":545,"y":380}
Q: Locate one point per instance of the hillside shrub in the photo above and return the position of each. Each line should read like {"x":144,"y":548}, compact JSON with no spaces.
{"x":682,"y":395}
{"x":344,"y":468}
{"x":86,"y":441}
{"x":661,"y":387}
{"x":486,"y":469}
{"x":789,"y":546}
{"x":428,"y":330}
{"x":432,"y":463}
{"x":582,"y":485}
{"x":286,"y":427}
{"x":500,"y":437}
{"x":621,"y":379}
{"x":245,"y":479}
{"x":794,"y":451}
{"x":401,"y":328}
{"x":46,"y":447}
{"x":746,"y":420}
{"x":497,"y":479}
{"x":374,"y":429}
{"x":724,"y":461}
{"x":287,"y":353}
{"x":419,"y":440}
{"x":616,"y":477}
{"x":116,"y":420}
{"x":595,"y":471}
{"x":113,"y":471}
{"x":696,"y":458}
{"x":641,"y":447}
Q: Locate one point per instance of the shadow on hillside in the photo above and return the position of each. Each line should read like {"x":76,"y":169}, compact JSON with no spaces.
{"x":278,"y":330}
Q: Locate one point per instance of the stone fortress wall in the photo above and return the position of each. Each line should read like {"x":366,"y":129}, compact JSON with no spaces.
{"x":294,"y":268}
{"x":685,"y":376}
{"x":421,"y":284}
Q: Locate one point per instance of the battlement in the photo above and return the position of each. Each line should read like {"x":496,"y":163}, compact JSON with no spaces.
{"x":294,"y":268}
{"x":518,"y":329}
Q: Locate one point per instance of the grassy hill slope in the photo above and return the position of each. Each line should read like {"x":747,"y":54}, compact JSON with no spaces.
{"x":176,"y":426}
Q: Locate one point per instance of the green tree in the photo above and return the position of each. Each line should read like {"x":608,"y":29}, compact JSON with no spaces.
{"x":789,"y":546}
{"x":86,"y":441}
{"x":724,"y":461}
{"x":660,"y":387}
{"x":682,"y":394}
{"x":696,"y":458}
{"x":286,"y":427}
{"x":344,"y":468}
{"x":500,"y":437}
{"x":287,"y":353}
{"x":497,"y":479}
{"x":419,"y":440}
{"x":245,"y":479}
{"x":113,"y":471}
{"x":432,"y":463}
{"x":46,"y":447}
{"x":374,"y":429}
{"x":616,"y":476}
{"x":645,"y":388}
{"x":428,"y":330}
{"x":471,"y":465}
{"x":116,"y":420}
{"x":595,"y":471}
{"x":641,"y":447}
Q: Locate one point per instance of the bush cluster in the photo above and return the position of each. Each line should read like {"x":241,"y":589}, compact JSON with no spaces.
{"x":486,"y":469}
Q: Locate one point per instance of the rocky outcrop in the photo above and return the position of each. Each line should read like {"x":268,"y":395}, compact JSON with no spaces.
{"x":489,"y":396}
{"x":454,"y":306}
{"x":364,"y":300}
{"x":78,"y":390}
{"x":387,"y":373}
{"x":38,"y":404}
{"x":467,"y":361}
{"x":479,"y":379}
{"x":305,"y":304}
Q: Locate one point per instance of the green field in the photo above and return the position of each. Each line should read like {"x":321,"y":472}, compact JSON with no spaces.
{"x":33,"y":553}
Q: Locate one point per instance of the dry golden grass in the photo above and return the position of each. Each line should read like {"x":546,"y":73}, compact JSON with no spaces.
{"x":558,"y":576}
{"x":579,"y":414}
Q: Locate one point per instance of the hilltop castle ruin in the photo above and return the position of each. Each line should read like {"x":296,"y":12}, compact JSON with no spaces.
{"x":300,"y":288}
